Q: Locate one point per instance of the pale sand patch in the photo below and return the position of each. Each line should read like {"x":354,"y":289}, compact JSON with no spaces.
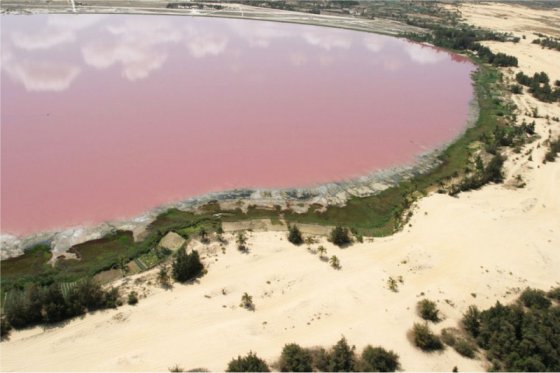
{"x":512,"y":18}
{"x":532,"y":58}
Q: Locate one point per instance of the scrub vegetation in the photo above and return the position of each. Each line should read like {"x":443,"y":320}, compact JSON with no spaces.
{"x":523,"y":336}
{"x":339,"y":358}
{"x":56,"y":303}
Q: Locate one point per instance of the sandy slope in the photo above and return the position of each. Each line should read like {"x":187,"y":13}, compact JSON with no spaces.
{"x":513,"y":18}
{"x":489,"y":243}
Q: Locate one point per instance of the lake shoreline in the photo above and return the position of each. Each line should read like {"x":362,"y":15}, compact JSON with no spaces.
{"x":335,"y":193}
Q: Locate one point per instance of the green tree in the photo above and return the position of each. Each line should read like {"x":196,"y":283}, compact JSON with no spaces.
{"x":186,"y":267}
{"x":249,"y":363}
{"x":377,"y":359}
{"x":294,"y":235}
{"x":295,"y":358}
{"x":471,"y":321}
{"x":55,"y":305}
{"x":340,"y":236}
{"x":322,"y":251}
{"x":341,"y":358}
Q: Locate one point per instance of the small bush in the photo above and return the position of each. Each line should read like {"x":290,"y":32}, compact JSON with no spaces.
{"x":247,"y":302}
{"x":132,"y":298}
{"x":335,"y":262}
{"x":425,"y":339}
{"x":465,"y":348}
{"x":516,"y":89}
{"x":393,"y":285}
{"x":249,"y":363}
{"x":533,"y":298}
{"x":176,"y":369}
{"x":377,"y":359}
{"x":241,"y":240}
{"x":295,"y":358}
{"x":449,"y":336}
{"x":5,"y":329}
{"x":427,"y":310}
{"x":294,"y":235}
{"x":340,"y":236}
{"x":554,"y":294}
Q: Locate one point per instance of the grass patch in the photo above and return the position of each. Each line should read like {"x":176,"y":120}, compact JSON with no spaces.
{"x":33,"y":262}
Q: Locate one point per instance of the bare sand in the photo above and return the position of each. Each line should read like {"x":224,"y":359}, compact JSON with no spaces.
{"x":480,"y":247}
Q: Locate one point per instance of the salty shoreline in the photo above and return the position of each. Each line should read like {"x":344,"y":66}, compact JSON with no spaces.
{"x":328,"y":194}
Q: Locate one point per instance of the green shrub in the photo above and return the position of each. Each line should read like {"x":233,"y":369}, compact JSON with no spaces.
{"x":516,"y":89}
{"x":132,"y":298}
{"x":294,"y":358}
{"x":554,"y":294}
{"x":340,"y":236}
{"x":425,"y":339}
{"x":449,"y":336}
{"x":427,"y":310}
{"x":377,"y":359}
{"x":534,"y":298}
{"x":294,"y":235}
{"x":5,"y":328}
{"x":249,"y":363}
{"x":465,"y":348}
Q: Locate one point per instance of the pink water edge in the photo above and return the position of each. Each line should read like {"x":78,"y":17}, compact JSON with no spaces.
{"x":105,"y":117}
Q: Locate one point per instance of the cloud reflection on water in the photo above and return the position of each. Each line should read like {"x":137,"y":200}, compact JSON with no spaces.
{"x":140,"y":46}
{"x":135,"y":46}
{"x":39,"y":76}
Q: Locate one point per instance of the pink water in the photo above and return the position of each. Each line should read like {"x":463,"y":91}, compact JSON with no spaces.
{"x":105,"y":117}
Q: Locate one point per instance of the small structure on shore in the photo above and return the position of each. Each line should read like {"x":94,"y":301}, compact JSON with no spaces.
{"x":172,"y":241}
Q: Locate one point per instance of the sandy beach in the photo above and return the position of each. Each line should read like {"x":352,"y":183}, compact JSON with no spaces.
{"x":476,"y":248}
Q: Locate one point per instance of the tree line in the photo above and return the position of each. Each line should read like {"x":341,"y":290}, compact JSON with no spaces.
{"x":46,"y":305}
{"x":523,"y":336}
{"x":539,"y":86}
{"x":467,"y":38}
{"x":339,"y":358}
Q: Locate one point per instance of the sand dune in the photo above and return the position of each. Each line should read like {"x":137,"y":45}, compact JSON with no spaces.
{"x":480,"y":247}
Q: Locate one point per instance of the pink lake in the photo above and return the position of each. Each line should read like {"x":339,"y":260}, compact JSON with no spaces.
{"x":107,"y":116}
